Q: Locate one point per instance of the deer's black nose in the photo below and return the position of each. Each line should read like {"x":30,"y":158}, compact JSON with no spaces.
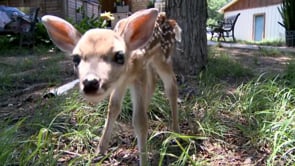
{"x":90,"y":86}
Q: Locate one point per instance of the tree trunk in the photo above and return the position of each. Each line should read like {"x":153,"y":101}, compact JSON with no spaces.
{"x":191,"y":15}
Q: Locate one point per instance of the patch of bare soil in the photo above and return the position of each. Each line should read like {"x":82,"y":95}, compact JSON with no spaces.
{"x":260,"y":61}
{"x":234,"y":148}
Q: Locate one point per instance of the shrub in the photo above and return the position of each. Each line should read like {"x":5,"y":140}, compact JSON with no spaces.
{"x":41,"y":35}
{"x":287,"y":11}
{"x":88,"y":23}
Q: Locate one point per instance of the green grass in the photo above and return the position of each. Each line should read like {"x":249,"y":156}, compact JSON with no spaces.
{"x":270,"y":52}
{"x":8,"y":140}
{"x":21,"y":68}
{"x":264,"y":42}
{"x":266,"y":107}
{"x":222,"y":69}
{"x":276,"y":43}
{"x":269,"y":108}
{"x":259,"y":43}
{"x":258,"y":114}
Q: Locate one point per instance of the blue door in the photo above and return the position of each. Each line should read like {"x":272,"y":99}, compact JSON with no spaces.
{"x":259,"y":27}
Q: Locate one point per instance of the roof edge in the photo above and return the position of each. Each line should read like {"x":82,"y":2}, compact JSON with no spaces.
{"x":221,"y":10}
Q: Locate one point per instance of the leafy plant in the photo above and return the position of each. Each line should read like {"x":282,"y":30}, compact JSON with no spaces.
{"x":41,"y":34}
{"x":88,"y":23}
{"x":213,"y":7}
{"x":151,"y":4}
{"x":287,"y":11}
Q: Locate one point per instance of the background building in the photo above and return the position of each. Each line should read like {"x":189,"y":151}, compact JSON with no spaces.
{"x":258,"y":20}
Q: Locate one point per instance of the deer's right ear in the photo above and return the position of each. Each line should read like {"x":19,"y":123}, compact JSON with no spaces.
{"x":120,"y":26}
{"x":62,"y":33}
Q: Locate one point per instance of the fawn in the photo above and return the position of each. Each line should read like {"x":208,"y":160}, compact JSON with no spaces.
{"x":130,"y":56}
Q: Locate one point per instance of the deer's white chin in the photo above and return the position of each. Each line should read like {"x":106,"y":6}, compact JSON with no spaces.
{"x":95,"y":98}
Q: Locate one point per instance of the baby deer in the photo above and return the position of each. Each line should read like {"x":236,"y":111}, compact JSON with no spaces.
{"x":130,"y":56}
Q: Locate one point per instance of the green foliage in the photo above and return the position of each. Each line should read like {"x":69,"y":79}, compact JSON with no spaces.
{"x":8,"y":140}
{"x":287,"y":11}
{"x":151,"y":4}
{"x":88,"y":23}
{"x":213,"y":7}
{"x":11,"y":41}
{"x":222,"y":66}
{"x":41,"y":35}
{"x":289,"y":75}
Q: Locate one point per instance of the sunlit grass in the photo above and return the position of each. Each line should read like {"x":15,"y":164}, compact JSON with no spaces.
{"x":177,"y":149}
{"x":266,"y":106}
{"x":264,"y":42}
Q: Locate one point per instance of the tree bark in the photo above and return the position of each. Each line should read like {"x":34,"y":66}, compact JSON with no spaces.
{"x":191,"y":54}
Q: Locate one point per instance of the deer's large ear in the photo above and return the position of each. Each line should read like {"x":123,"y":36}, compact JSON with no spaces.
{"x":120,"y":26}
{"x":139,"y":28}
{"x":62,"y":33}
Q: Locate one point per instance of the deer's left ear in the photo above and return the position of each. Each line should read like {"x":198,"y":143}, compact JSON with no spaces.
{"x":139,"y":28}
{"x":120,"y":26}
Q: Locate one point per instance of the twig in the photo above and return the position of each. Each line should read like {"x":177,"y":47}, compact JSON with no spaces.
{"x":71,"y":153}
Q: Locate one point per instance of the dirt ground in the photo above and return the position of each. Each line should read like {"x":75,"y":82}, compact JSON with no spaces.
{"x":25,"y":91}
{"x":258,"y":61}
{"x":23,"y":97}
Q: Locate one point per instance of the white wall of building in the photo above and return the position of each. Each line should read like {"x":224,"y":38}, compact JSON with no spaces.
{"x":244,"y":26}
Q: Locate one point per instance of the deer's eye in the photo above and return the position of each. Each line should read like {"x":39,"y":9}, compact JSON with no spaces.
{"x":76,"y":59}
{"x":119,"y":57}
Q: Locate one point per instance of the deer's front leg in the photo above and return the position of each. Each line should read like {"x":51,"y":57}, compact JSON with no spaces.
{"x":140,"y":98}
{"x":114,"y":110}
